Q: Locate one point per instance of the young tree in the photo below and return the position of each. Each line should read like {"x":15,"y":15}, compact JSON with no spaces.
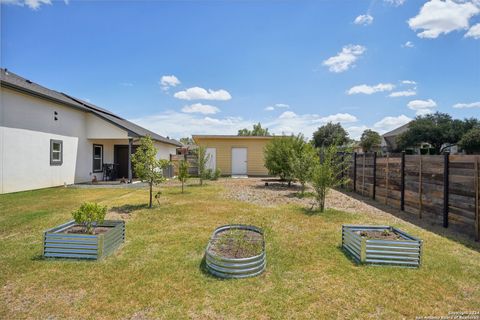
{"x":327,"y":173}
{"x":369,"y":140}
{"x":202,"y":160}
{"x":330,"y":134}
{"x":183,"y":171}
{"x":303,"y":163}
{"x":278,"y":154}
{"x":146,"y":165}
{"x":89,"y":215}
{"x":470,"y":141}
{"x":257,"y":131}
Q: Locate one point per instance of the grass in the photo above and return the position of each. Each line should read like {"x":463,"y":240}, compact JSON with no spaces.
{"x":158,"y":272}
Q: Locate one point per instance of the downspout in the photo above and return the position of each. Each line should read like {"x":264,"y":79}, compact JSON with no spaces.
{"x":130,"y":140}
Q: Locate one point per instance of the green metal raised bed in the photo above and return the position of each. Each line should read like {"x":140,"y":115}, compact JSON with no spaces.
{"x":406,"y":251}
{"x":57,"y":244}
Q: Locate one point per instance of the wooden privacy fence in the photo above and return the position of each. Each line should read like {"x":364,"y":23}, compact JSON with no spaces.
{"x":192,"y":162}
{"x":444,"y":188}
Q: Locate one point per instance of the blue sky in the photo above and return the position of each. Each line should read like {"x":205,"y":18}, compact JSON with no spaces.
{"x":291,"y":65}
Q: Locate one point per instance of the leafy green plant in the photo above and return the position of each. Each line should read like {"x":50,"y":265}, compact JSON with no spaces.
{"x":90,"y":215}
{"x":470,"y":142}
{"x":327,"y":173}
{"x":303,"y":162}
{"x":279,"y":153}
{"x":146,"y":165}
{"x":330,"y":134}
{"x":183,"y":172}
{"x":202,"y":160}
{"x":216,"y":174}
{"x":369,"y":140}
{"x":257,"y":131}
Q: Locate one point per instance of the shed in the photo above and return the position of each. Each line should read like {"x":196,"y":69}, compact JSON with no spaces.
{"x":235,"y":155}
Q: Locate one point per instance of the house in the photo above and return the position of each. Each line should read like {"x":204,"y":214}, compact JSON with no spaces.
{"x":389,"y":139}
{"x":48,"y":138}
{"x":235,"y":155}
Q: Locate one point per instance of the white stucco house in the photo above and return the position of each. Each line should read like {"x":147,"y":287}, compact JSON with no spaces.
{"x":48,"y":138}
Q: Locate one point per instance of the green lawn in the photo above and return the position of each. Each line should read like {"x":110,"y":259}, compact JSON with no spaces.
{"x":158,"y":272}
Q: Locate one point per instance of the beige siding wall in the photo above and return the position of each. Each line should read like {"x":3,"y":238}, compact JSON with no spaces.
{"x":255,"y":159}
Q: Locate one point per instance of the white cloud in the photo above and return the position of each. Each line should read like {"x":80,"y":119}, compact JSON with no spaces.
{"x":355,"y":132}
{"x":408,"y":44}
{"x":467,"y":105}
{"x":364,"y":19}
{"x":200,"y":108}
{"x":345,"y":58}
{"x":366,"y":89}
{"x":197,"y":93}
{"x":166,"y":82}
{"x":32,"y":4}
{"x":167,"y":123}
{"x":473,"y":32}
{"x":422,"y":107}
{"x":390,"y":123}
{"x":406,"y":93}
{"x":395,"y":3}
{"x":437,"y":17}
{"x":277,"y":106}
{"x":409,"y":82}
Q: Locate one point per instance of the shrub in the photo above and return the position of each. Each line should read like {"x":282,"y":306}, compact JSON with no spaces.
{"x":216,"y":174}
{"x":278,"y":154}
{"x":89,"y":215}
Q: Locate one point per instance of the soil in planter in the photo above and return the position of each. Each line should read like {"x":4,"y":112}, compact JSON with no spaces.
{"x":81,"y":230}
{"x":380,"y":235}
{"x":237,"y":243}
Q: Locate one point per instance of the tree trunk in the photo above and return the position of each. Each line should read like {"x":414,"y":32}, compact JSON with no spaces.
{"x":151,"y":187}
{"x":182,"y":186}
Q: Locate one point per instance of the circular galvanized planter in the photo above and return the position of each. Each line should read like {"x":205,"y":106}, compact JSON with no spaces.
{"x":238,"y":268}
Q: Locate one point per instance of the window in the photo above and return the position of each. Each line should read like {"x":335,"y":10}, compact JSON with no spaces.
{"x":56,"y":152}
{"x":97,"y":158}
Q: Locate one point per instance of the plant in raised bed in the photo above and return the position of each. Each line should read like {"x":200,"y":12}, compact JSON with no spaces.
{"x":236,"y":251}
{"x":89,"y":215}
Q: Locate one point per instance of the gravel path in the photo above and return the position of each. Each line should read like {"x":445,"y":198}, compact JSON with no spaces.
{"x":255,"y":191}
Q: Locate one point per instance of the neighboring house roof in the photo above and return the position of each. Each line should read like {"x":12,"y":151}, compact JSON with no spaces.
{"x":11,"y":80}
{"x":390,"y":137}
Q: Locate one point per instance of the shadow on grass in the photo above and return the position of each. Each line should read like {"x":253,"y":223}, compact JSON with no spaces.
{"x":129,"y":208}
{"x":452,"y":233}
{"x":348,"y":255}
{"x":299,"y":195}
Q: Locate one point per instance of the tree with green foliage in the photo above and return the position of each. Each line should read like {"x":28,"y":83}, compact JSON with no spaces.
{"x":330,"y":134}
{"x":303,"y":163}
{"x":327,"y":173}
{"x":90,"y":215}
{"x":146,"y":165}
{"x":183,"y":172}
{"x":470,"y":141}
{"x":257,"y":131}
{"x":278,"y":154}
{"x":437,"y":129}
{"x":187,"y":141}
{"x":202,"y":160}
{"x":369,"y":140}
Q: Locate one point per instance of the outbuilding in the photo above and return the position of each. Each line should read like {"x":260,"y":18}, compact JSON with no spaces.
{"x":235,"y":155}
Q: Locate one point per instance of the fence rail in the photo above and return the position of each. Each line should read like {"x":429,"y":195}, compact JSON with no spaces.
{"x":444,"y":188}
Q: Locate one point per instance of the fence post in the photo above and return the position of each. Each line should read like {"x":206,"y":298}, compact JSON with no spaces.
{"x":354,"y":171}
{"x":363,"y":173}
{"x":402,"y":186}
{"x":387,"y":172}
{"x":445,"y":189}
{"x":477,"y":201}
{"x":342,"y":168}
{"x":374,"y":174}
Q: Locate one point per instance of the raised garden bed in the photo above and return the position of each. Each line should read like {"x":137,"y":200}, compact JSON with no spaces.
{"x":236,"y":251}
{"x":70,"y":241}
{"x":381,"y":245}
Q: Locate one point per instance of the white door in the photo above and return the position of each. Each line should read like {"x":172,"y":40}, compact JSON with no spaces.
{"x":212,"y":160}
{"x":239,"y":161}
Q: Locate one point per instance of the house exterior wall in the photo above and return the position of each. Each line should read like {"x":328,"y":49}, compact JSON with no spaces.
{"x":27,"y":124}
{"x":255,"y":153}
